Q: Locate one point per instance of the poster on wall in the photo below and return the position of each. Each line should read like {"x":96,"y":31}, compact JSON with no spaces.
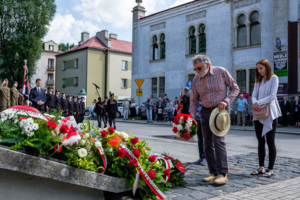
{"x":281,"y":70}
{"x":282,"y":88}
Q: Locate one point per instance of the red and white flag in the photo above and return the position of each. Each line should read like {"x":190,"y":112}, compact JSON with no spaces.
{"x":26,"y":88}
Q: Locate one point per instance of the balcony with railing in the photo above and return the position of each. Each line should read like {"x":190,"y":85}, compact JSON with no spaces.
{"x":50,"y":82}
{"x":50,"y":68}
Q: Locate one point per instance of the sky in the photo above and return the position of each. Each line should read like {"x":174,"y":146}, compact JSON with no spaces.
{"x":75,"y":16}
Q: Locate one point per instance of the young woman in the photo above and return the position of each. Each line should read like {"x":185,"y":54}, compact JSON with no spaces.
{"x":112,"y":110}
{"x":296,"y":111}
{"x":103,"y":113}
{"x":265,"y":93}
{"x":133,"y":109}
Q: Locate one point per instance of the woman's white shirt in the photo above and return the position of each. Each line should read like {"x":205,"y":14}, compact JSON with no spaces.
{"x":267,"y":95}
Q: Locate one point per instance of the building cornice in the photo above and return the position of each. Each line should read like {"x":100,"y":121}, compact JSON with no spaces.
{"x":180,"y":10}
{"x":96,"y":49}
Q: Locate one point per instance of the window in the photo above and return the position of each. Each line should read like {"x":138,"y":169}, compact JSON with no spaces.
{"x":123,"y":83}
{"x":161,"y":87}
{"x":64,"y":83}
{"x":76,"y":64}
{"x":50,"y":76}
{"x":64,"y":65}
{"x":124,"y":65}
{"x":51,"y":48}
{"x":241,"y":78}
{"x":162,"y":47}
{"x":241,"y":31}
{"x":155,"y":48}
{"x":154,"y":87}
{"x":76,"y":82}
{"x":192,"y":40}
{"x":50,"y":64}
{"x":255,"y":31}
{"x":251,"y":81}
{"x":202,"y":39}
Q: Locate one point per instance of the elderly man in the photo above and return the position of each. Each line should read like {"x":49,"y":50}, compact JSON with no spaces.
{"x":210,"y":85}
{"x":241,"y":107}
{"x":126,"y":109}
{"x":246,"y":96}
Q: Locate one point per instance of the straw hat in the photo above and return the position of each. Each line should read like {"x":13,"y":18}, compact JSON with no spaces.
{"x":219,"y":122}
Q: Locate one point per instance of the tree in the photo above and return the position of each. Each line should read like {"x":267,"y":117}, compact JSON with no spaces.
{"x":23,"y":24}
{"x":64,"y":47}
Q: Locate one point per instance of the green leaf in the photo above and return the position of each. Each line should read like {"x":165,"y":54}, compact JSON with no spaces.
{"x":37,"y":145}
{"x":10,"y":140}
{"x":108,"y":150}
{"x":120,"y":173}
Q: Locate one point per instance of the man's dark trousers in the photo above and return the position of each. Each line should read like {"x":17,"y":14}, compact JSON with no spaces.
{"x":214,"y":146}
{"x":285,"y":118}
{"x":200,"y":141}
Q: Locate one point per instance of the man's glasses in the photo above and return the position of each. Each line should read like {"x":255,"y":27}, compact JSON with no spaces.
{"x":198,"y":68}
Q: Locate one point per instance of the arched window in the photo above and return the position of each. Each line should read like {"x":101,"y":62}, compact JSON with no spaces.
{"x":241,"y":31}
{"x":192,"y":40}
{"x":202,"y":39}
{"x":255,"y":32}
{"x":155,"y":48}
{"x":162,"y":47}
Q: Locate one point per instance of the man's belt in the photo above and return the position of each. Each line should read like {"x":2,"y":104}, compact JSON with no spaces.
{"x":211,"y":108}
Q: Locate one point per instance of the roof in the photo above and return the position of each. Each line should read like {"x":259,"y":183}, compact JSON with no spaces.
{"x":50,"y":41}
{"x":116,"y":45}
{"x":169,"y":9}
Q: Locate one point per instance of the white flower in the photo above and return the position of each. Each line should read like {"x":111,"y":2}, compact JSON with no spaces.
{"x":35,"y":126}
{"x":3,"y":119}
{"x":125,"y":135}
{"x":189,"y":124}
{"x":3,"y":115}
{"x":58,"y":121}
{"x":98,"y":144}
{"x":179,"y":127}
{"x":187,"y":128}
{"x":11,"y":116}
{"x":82,"y":153}
{"x":82,"y":142}
{"x":23,"y":132}
{"x":23,"y":122}
{"x":16,"y":121}
{"x":30,"y":134}
{"x":86,"y":136}
{"x":30,"y":121}
{"x":28,"y":128}
{"x":118,"y":132}
{"x":174,"y":124}
{"x":61,"y":117}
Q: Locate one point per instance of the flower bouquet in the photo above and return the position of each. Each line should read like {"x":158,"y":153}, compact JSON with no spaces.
{"x":104,"y":151}
{"x":184,"y":126}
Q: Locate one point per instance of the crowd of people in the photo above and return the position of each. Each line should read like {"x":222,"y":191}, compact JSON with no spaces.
{"x":10,"y":96}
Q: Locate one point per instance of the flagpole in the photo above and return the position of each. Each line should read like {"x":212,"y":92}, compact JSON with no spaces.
{"x":24,"y":80}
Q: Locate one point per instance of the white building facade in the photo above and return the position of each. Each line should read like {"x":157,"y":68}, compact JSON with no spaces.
{"x":233,"y":34}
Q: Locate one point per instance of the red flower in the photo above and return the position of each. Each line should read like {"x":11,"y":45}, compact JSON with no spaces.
{"x":51,"y":125}
{"x":111,"y":130}
{"x":103,"y":133}
{"x":121,"y":152}
{"x":186,"y":136}
{"x":168,"y":157}
{"x":180,"y":167}
{"x":56,"y":147}
{"x":176,"y":120}
{"x":136,"y":152}
{"x":152,"y":159}
{"x":134,"y":140}
{"x":151,"y":174}
{"x":133,"y":163}
{"x":21,"y":118}
{"x":64,"y":129}
{"x":175,"y":130}
{"x":167,"y":172}
{"x":185,"y":118}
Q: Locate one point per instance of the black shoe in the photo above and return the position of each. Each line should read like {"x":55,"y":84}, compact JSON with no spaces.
{"x":105,"y":126}
{"x":115,"y":127}
{"x":198,"y":162}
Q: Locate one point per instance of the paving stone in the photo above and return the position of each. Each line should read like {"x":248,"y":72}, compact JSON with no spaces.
{"x":200,"y":188}
{"x":238,"y":186}
{"x":185,"y":191}
{"x":251,"y":184}
{"x":182,"y":197}
{"x":198,"y":195}
{"x":214,"y":193}
{"x":230,"y":190}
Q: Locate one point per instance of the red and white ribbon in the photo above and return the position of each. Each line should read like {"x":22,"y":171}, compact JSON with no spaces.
{"x":144,"y":175}
{"x":101,"y":151}
{"x":167,"y":163}
{"x":72,"y":138}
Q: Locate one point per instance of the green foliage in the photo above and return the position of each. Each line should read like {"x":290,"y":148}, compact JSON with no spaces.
{"x":22,"y":26}
{"x":64,"y":47}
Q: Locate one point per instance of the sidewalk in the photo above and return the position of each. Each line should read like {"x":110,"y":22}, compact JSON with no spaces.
{"x":284,"y":130}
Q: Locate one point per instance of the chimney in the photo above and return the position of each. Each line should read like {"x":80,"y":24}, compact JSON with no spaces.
{"x":103,"y":37}
{"x":85,"y":36}
{"x":113,"y":36}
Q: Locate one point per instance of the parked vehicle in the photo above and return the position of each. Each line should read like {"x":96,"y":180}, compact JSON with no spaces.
{"x":121,"y":112}
{"x":143,"y":114}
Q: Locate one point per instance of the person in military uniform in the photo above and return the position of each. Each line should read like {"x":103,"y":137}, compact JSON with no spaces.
{"x":58,"y":101}
{"x":21,"y":97}
{"x":112,"y":110}
{"x":103,"y":113}
{"x":82,"y":109}
{"x":4,"y":96}
{"x":98,"y":110}
{"x":50,"y":99}
{"x":14,"y":94}
{"x":75,"y":108}
{"x":78,"y":111}
{"x":71,"y":111}
{"x":64,"y":104}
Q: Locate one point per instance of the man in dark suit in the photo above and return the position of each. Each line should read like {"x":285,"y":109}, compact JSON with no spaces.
{"x":64,"y":104}
{"x":160,"y":105}
{"x":36,"y":92}
{"x":285,"y":107}
{"x":58,"y":100}
{"x":71,"y":111}
{"x":78,"y":108}
{"x":50,"y":99}
{"x":82,"y":109}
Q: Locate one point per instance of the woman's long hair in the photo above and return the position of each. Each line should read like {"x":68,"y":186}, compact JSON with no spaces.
{"x":266,"y":63}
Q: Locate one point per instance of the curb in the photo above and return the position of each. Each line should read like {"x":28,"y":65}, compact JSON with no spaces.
{"x":234,"y":128}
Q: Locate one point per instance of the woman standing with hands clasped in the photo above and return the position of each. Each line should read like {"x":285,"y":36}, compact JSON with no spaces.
{"x":264,"y":98}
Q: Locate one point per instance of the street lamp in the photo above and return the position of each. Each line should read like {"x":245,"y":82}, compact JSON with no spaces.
{"x":139,"y":1}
